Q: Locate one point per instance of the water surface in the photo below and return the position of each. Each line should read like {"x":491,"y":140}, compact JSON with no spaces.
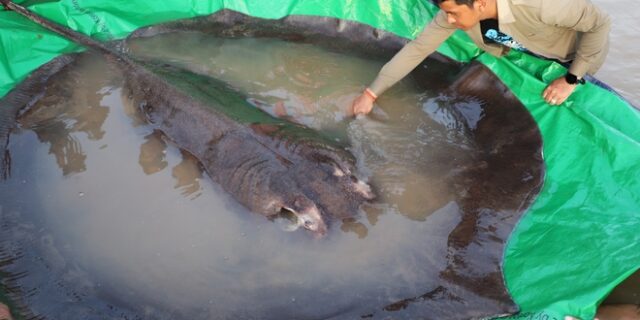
{"x":111,"y":219}
{"x":622,"y":67}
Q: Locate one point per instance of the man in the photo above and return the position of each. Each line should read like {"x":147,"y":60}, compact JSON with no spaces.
{"x":573,"y":32}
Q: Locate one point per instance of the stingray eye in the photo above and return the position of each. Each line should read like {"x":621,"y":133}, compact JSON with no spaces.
{"x":337,"y":172}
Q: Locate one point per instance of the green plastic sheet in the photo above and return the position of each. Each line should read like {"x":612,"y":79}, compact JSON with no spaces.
{"x":580,"y":238}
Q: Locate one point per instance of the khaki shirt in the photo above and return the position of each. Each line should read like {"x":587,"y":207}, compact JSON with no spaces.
{"x":566,"y":30}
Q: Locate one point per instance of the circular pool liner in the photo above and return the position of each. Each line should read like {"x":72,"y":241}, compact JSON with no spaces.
{"x":595,"y":132}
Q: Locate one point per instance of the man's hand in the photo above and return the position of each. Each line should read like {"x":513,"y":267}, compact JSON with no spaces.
{"x":558,"y":91}
{"x":362,"y":104}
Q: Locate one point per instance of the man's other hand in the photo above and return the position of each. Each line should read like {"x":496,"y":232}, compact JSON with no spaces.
{"x":558,"y":91}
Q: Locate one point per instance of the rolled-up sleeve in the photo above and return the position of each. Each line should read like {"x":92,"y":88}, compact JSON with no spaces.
{"x":433,"y":35}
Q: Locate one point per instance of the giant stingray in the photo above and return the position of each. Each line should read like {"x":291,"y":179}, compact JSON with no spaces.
{"x":492,"y":194}
{"x":268,"y":165}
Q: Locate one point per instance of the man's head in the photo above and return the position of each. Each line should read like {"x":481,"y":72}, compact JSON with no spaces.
{"x":464,"y":14}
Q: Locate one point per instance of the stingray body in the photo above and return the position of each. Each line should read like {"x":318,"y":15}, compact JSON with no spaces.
{"x":267,"y":164}
{"x":281,"y":163}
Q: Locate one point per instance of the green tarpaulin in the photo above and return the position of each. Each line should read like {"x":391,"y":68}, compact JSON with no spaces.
{"x":580,"y":238}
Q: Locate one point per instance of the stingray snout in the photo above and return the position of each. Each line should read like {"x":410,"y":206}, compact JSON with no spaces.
{"x":308,"y":215}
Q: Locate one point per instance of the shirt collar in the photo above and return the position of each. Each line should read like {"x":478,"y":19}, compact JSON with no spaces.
{"x":504,"y":12}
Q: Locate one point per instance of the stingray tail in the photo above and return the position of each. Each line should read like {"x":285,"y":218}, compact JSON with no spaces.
{"x":7,"y":122}
{"x":5,"y":161}
{"x":59,"y":29}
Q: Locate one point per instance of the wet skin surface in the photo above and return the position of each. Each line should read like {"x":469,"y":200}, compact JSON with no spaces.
{"x":493,"y":187}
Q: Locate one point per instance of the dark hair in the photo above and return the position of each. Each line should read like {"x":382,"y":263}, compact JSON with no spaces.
{"x":469,"y":3}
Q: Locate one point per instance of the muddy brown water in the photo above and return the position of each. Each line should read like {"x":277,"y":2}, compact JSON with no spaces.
{"x":110,"y":220}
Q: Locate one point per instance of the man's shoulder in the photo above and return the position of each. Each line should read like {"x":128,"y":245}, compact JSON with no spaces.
{"x":526,"y":3}
{"x":544,"y":10}
{"x":540,"y":4}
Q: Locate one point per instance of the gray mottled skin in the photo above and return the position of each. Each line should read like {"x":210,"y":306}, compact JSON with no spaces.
{"x":267,"y":164}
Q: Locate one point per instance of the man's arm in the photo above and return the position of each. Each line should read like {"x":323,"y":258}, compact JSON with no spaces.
{"x":594,"y":26}
{"x":414,"y":52}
